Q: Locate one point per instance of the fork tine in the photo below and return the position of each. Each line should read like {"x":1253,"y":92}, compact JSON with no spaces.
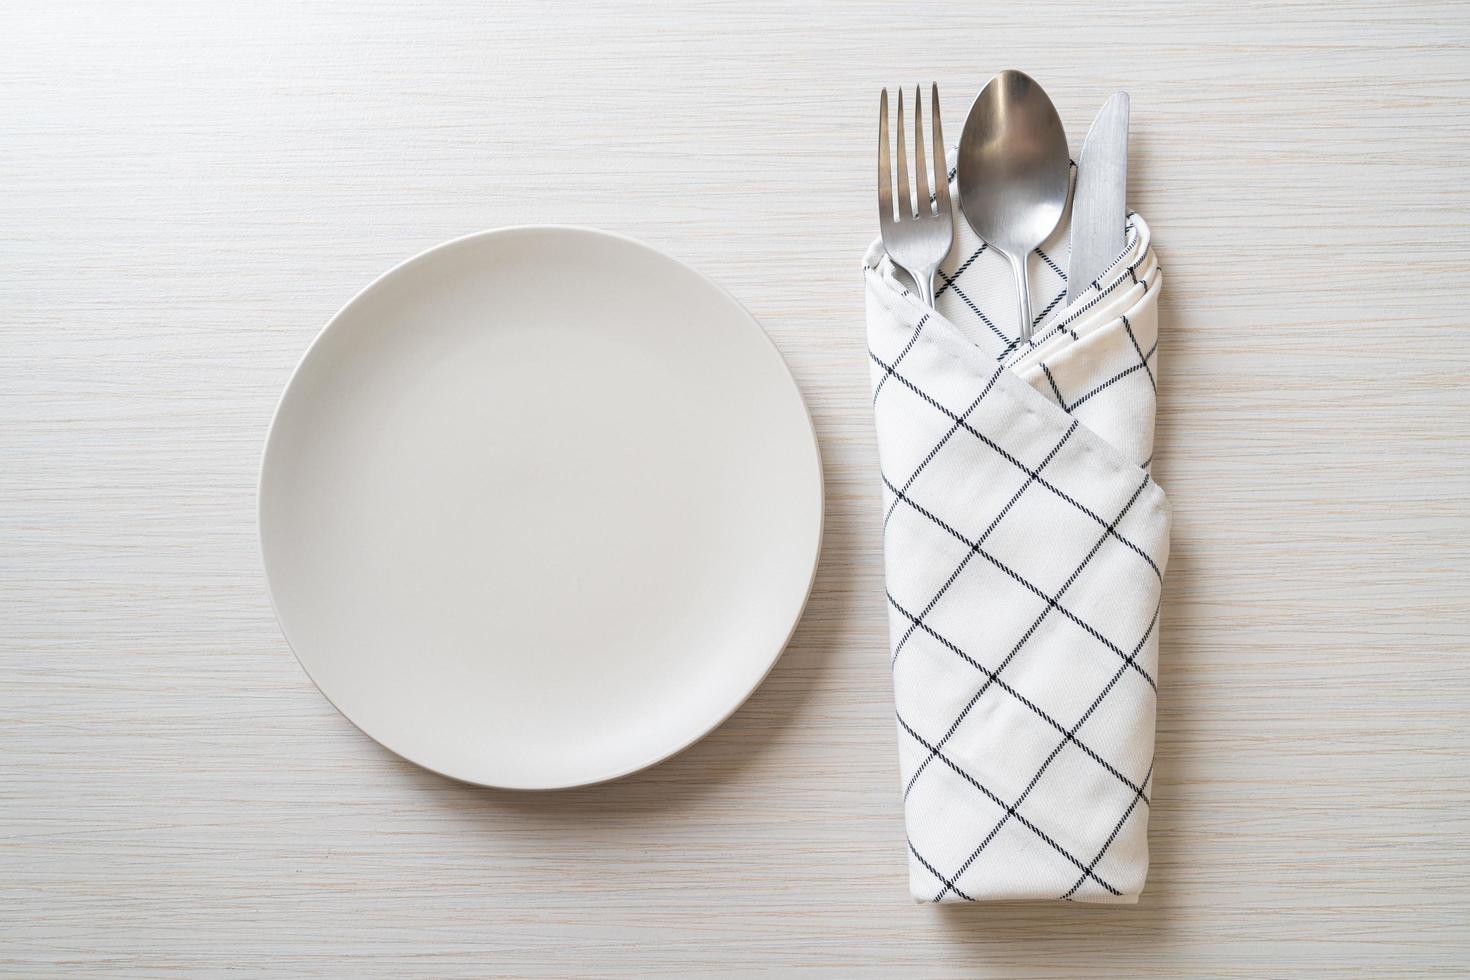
{"x":941,"y":167}
{"x":921,"y":169}
{"x":905,"y":210}
{"x":885,"y":177}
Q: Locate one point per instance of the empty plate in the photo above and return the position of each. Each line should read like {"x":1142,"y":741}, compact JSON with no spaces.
{"x":540,"y":507}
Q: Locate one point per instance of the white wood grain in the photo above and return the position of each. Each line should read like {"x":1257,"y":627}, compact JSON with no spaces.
{"x":188,"y":192}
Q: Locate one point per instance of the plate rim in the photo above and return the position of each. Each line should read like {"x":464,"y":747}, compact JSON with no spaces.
{"x":509,"y":231}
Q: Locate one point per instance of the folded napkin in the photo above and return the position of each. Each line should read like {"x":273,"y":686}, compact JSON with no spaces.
{"x":1024,"y":551}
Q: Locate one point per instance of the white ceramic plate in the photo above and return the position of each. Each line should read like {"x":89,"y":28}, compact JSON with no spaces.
{"x":540,"y":507}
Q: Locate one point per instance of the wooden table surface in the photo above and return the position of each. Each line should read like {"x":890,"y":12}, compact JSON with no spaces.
{"x":188,"y":192}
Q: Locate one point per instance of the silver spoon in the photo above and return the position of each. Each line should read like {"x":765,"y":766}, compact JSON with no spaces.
{"x":1013,"y":172}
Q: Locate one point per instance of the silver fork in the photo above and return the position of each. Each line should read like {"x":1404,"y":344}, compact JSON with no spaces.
{"x":919,"y":238}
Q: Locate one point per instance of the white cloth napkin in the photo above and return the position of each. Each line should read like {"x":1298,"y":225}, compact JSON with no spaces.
{"x":1024,"y":551}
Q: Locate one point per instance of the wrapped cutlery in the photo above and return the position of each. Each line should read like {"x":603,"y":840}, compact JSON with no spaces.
{"x":1025,"y":545}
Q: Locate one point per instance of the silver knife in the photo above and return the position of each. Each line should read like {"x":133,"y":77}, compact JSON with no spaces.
{"x":1099,"y":204}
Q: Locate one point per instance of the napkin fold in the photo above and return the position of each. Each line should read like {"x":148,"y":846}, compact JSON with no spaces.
{"x":1024,"y":552}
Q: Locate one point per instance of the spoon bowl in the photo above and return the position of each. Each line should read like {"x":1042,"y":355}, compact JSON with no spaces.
{"x":1013,"y":172}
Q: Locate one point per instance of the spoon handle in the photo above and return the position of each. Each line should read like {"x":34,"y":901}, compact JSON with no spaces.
{"x":1023,"y":290}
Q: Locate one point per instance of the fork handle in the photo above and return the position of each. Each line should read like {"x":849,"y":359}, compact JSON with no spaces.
{"x":925,"y":285}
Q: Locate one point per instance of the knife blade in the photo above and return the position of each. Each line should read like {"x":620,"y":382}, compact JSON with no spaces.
{"x":1099,"y":203}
